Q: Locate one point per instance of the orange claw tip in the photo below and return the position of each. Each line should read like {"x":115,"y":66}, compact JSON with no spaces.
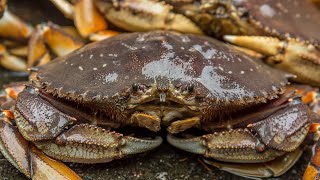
{"x":310,"y":173}
{"x":47,"y":168}
{"x":11,"y":93}
{"x":8,"y":114}
{"x":314,"y":127}
{"x":309,"y":97}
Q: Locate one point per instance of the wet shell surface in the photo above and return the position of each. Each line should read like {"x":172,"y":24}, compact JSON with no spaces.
{"x":105,"y":69}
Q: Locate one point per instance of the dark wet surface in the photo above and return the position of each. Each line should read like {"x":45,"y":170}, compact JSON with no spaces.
{"x":163,"y":163}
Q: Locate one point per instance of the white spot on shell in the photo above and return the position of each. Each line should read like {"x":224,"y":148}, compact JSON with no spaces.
{"x":113,"y":55}
{"x":251,"y":69}
{"x":207,"y":54}
{"x":230,"y":72}
{"x":101,"y":55}
{"x":81,"y":68}
{"x":241,"y":72}
{"x":266,"y":10}
{"x":217,"y":86}
{"x":104,"y":65}
{"x":129,"y":47}
{"x":112,"y":77}
{"x":91,"y":56}
{"x":95,"y":69}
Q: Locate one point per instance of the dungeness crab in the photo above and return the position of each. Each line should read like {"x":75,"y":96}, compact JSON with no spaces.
{"x":75,"y":103}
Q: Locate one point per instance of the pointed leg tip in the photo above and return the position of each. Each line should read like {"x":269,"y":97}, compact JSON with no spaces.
{"x":229,"y":38}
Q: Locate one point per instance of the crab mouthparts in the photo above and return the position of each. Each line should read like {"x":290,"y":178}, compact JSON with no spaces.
{"x":162,"y":97}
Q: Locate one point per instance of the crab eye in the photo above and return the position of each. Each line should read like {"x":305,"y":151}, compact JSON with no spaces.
{"x":135,"y":87}
{"x":190,"y":88}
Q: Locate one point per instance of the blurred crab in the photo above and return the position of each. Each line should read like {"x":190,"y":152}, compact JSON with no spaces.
{"x":191,"y":82}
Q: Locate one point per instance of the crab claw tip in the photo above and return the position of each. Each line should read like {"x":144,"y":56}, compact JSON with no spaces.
{"x":229,"y":38}
{"x":193,"y":145}
{"x":134,"y":145}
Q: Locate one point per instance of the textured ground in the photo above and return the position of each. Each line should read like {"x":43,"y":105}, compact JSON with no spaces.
{"x":163,"y":163}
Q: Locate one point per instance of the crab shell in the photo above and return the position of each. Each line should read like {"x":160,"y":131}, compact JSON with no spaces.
{"x":138,"y":78}
{"x":101,"y":74}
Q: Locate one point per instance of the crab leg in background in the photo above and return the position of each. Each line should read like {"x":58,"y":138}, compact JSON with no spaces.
{"x":12,"y":54}
{"x":54,"y":37}
{"x":286,"y":55}
{"x":87,"y":19}
{"x":3,"y":4}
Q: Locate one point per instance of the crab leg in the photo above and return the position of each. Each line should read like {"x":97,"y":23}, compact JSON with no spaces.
{"x":52,"y":35}
{"x":272,"y":139}
{"x":28,"y":159}
{"x":82,"y":143}
{"x":3,"y":4}
{"x":287,"y":55}
{"x":88,"y":20}
{"x":14,"y":28}
{"x":11,"y":62}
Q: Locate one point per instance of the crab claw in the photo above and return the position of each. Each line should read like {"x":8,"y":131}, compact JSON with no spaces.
{"x":291,"y":55}
{"x":144,"y":15}
{"x":134,"y":145}
{"x":91,"y":144}
{"x":28,"y":159}
{"x":243,"y":145}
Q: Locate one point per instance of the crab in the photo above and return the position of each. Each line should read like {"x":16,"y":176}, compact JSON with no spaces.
{"x":191,"y":82}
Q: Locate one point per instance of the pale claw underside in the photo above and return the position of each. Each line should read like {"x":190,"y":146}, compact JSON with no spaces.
{"x":273,"y":168}
{"x":28,"y":159}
